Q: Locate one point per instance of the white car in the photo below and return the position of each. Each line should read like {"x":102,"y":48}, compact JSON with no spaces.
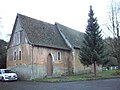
{"x":7,"y":75}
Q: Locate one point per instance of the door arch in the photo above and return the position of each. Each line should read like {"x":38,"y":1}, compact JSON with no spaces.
{"x":49,"y":65}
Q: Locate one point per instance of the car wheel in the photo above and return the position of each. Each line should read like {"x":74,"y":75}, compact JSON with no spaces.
{"x":2,"y":79}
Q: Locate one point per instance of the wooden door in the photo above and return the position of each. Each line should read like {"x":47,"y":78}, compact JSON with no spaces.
{"x":49,"y":65}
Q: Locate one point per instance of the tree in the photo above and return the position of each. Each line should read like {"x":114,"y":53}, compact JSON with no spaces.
{"x":3,"y":50}
{"x":109,"y":59}
{"x":113,"y":26}
{"x":91,"y":52}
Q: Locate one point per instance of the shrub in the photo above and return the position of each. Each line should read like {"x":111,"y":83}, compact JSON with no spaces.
{"x":117,"y":72}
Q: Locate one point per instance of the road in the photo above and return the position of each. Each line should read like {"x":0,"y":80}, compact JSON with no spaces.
{"x":108,"y":84}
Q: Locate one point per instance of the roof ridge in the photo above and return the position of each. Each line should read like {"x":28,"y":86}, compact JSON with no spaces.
{"x":19,"y":15}
{"x":68,"y":27}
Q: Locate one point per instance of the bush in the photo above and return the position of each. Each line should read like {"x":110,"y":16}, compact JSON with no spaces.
{"x":117,"y":72}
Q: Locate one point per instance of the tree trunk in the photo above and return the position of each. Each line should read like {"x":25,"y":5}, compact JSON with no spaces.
{"x":94,"y":69}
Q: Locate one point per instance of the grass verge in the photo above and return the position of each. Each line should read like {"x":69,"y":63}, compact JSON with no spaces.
{"x":101,"y":75}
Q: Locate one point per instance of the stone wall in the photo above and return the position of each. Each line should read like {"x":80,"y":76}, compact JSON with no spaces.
{"x":28,"y":70}
{"x":80,"y":68}
{"x":59,"y":66}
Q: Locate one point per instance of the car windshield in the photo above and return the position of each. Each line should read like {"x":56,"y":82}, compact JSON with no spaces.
{"x":8,"y":71}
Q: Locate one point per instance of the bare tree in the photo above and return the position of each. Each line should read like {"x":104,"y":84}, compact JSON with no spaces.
{"x":113,"y":26}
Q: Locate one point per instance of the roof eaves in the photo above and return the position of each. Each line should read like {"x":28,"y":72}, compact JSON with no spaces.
{"x":52,"y":47}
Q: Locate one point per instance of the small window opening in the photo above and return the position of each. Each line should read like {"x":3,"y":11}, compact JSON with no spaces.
{"x":14,"y":55}
{"x":19,"y":55}
{"x":59,"y":55}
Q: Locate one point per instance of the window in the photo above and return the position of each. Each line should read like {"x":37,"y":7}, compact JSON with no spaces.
{"x":26,"y":40}
{"x":14,"y":39}
{"x":8,"y":71}
{"x":58,"y":55}
{"x":15,"y":55}
{"x":22,"y":37}
{"x":19,"y":55}
{"x":17,"y":38}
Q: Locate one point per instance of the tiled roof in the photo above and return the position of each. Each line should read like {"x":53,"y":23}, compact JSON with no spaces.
{"x":41,"y":33}
{"x":74,"y":37}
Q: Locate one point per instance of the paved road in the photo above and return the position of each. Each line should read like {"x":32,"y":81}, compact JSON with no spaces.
{"x":108,"y":84}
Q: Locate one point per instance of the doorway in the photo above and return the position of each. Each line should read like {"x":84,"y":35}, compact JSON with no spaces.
{"x":49,"y":65}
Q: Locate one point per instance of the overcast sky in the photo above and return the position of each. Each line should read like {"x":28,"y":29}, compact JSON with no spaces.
{"x":71,"y":13}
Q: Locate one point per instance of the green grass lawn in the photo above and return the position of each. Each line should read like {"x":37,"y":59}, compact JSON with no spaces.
{"x":101,"y":75}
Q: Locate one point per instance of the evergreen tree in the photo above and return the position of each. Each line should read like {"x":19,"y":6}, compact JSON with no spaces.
{"x":91,"y":52}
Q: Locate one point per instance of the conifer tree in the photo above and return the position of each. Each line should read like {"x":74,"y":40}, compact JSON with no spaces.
{"x":91,"y":52}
